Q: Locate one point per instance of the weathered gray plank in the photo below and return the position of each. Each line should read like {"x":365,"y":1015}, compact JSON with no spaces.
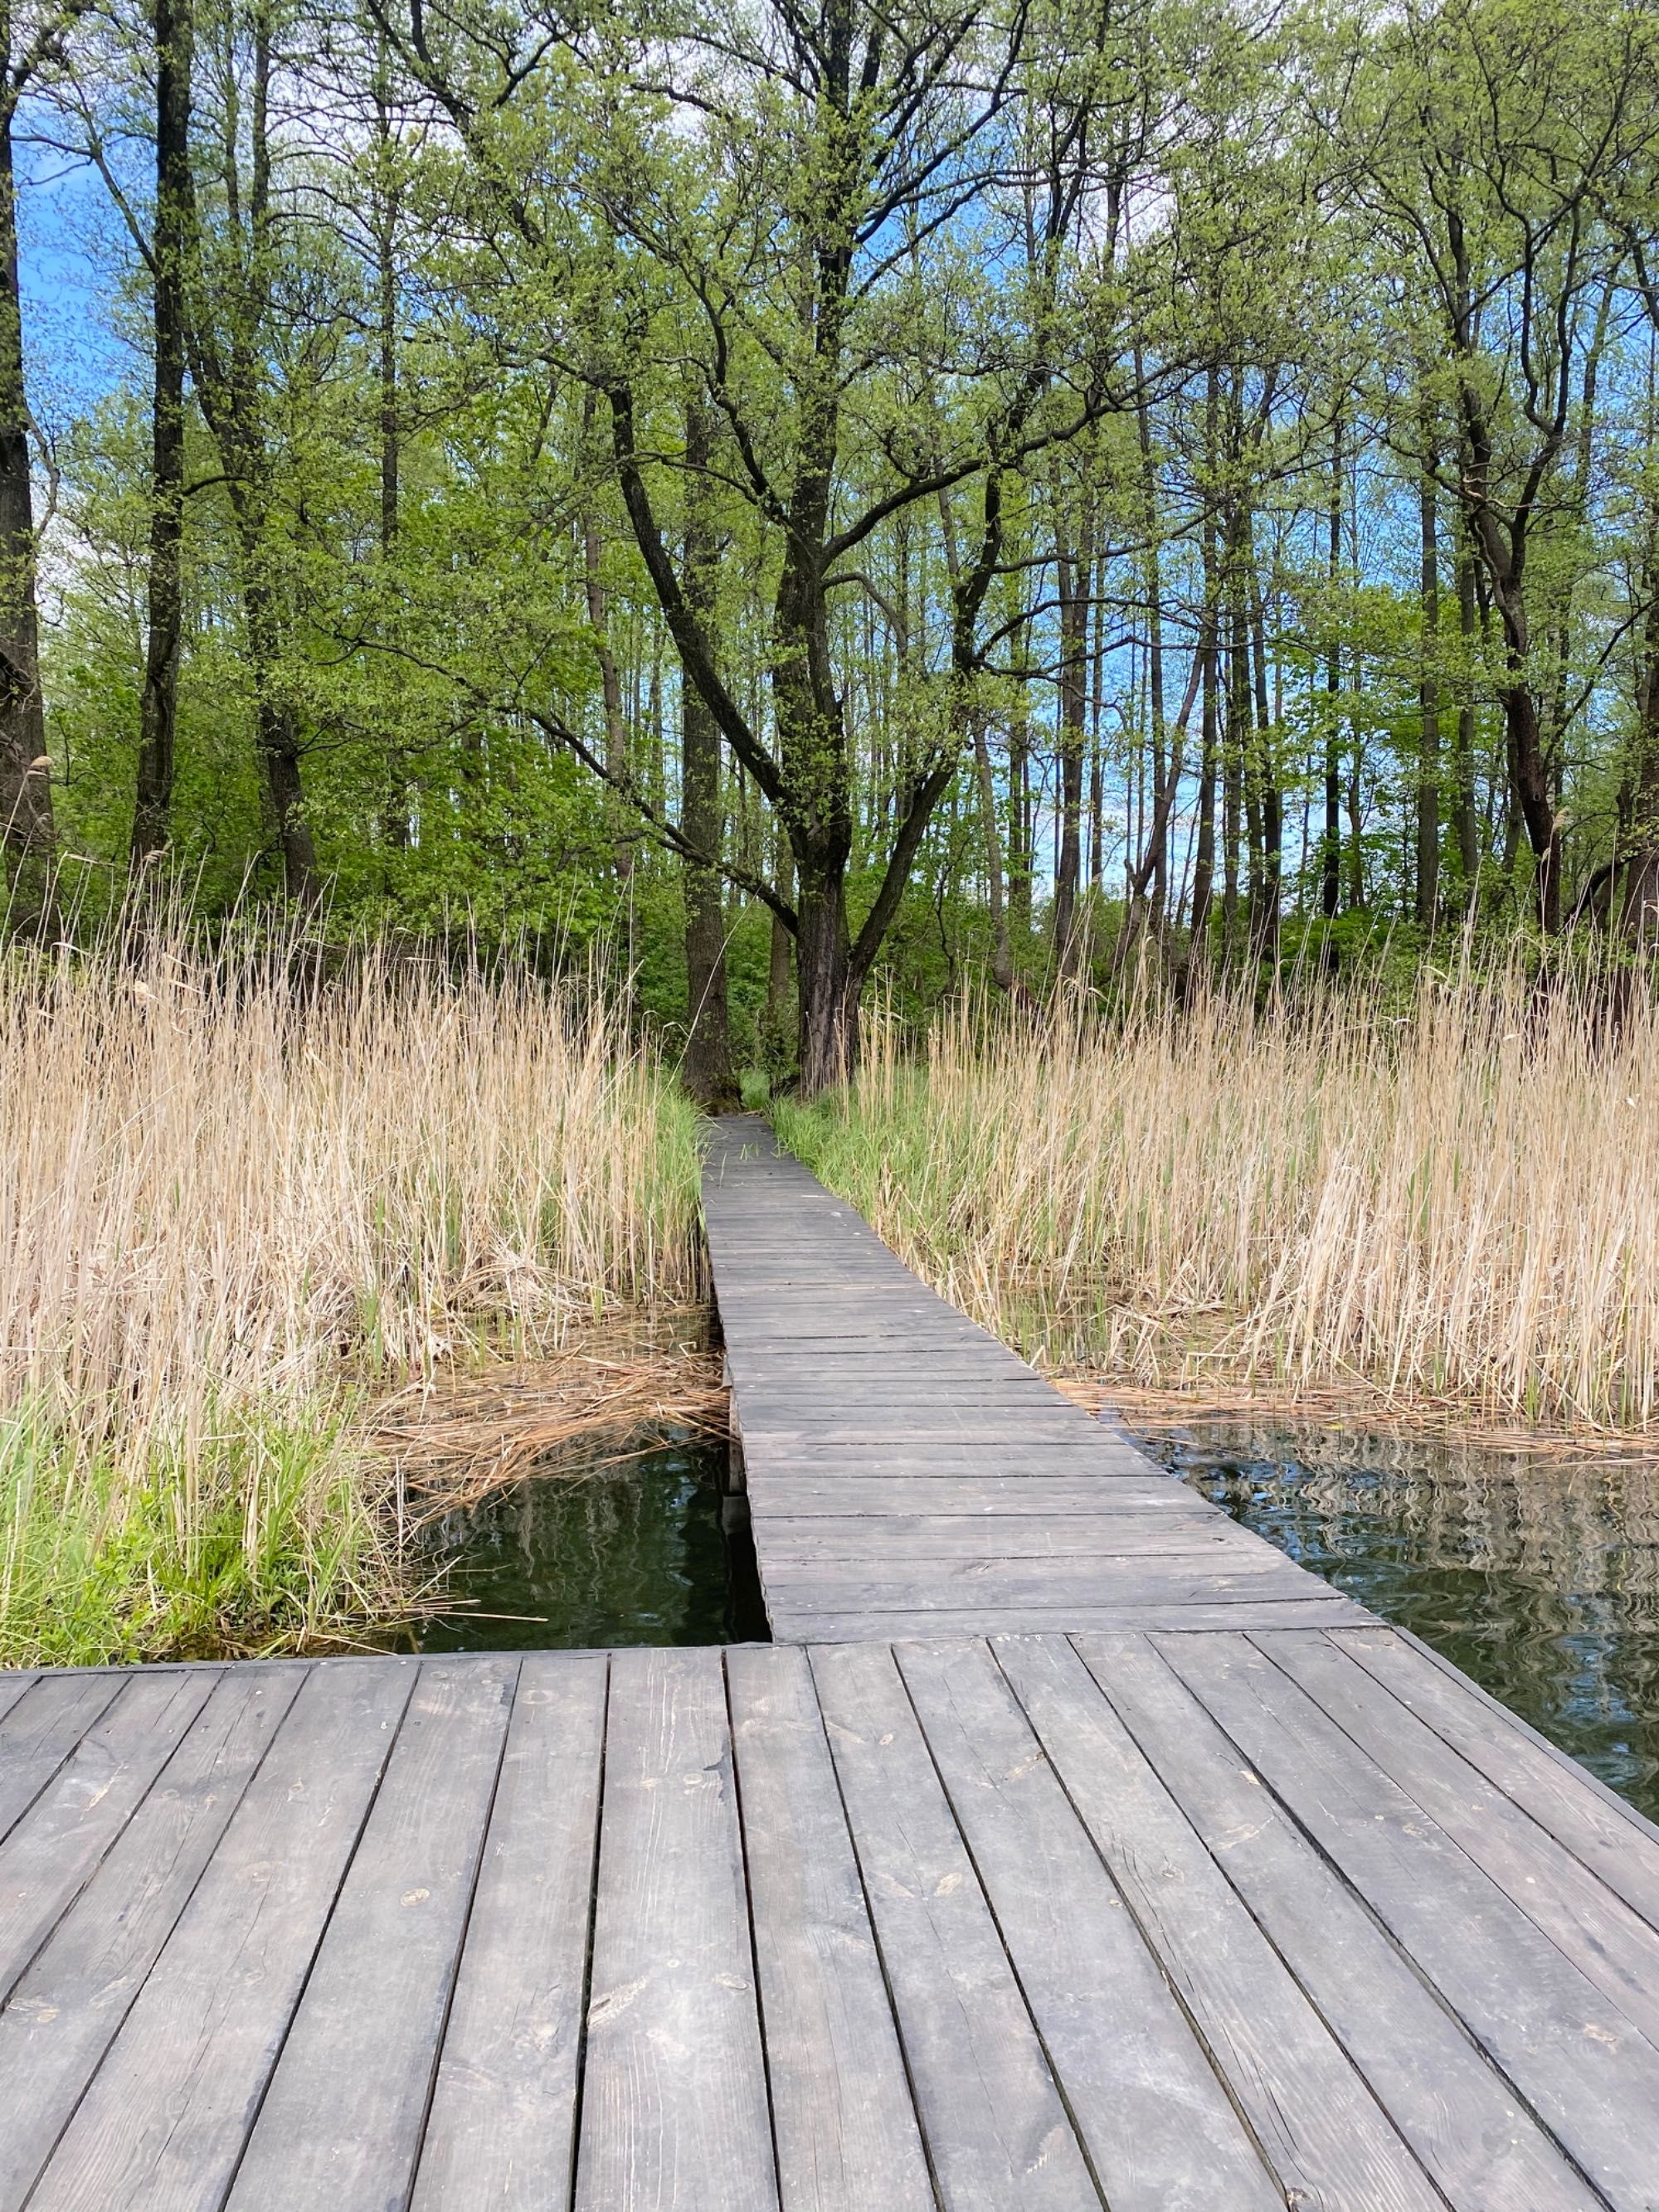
{"x":996,"y":2128}
{"x":1473,"y":2135}
{"x":58,"y":1842}
{"x":903,"y":1539}
{"x":340,"y":2125}
{"x":996,"y":1497}
{"x":1571,"y":2052}
{"x":1612,"y":1946}
{"x":842,"y":2112}
{"x":797,"y":1622}
{"x":1323,"y":2131}
{"x":41,"y":1729}
{"x":68,"y":2005}
{"x":1618,"y":1848}
{"x":162,"y":2125}
{"x":919,"y":1586}
{"x":502,"y":2129}
{"x":674,"y":2112}
{"x":13,"y":1683}
{"x":1160,"y":2131}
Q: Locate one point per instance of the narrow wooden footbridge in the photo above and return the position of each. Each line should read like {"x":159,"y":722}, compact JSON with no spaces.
{"x":1068,"y":1847}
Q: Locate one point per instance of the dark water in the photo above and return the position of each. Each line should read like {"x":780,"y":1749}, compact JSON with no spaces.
{"x":1538,"y":1577}
{"x":629,"y":1553}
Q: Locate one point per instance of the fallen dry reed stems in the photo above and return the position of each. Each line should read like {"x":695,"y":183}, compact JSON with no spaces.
{"x":614,"y":1391}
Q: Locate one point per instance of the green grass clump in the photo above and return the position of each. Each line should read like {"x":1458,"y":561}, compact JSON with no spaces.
{"x":268,"y":1534}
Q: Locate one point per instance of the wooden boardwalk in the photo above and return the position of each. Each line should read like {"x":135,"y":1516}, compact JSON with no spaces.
{"x":1169,"y":1893}
{"x":908,"y":1475}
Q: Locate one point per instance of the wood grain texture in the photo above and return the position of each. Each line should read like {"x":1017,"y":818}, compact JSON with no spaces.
{"x":1571,"y":2053}
{"x":339,"y":2129}
{"x":674,"y":2107}
{"x":163,"y":2123}
{"x":70,"y":2004}
{"x":961,"y":2012}
{"x":501,"y":2132}
{"x":1326,"y":2135}
{"x":1160,"y":2130}
{"x":1472,"y":2133}
{"x":846,"y":2135}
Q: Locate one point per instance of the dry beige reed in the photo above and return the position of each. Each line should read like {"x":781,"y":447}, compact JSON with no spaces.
{"x":1458,"y":1202}
{"x":238,"y":1201}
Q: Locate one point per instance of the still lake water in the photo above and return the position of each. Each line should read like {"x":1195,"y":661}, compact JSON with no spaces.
{"x":632,"y":1552}
{"x":1538,"y":1577}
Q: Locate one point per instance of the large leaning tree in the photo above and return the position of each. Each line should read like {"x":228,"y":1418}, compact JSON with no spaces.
{"x":882,"y":251}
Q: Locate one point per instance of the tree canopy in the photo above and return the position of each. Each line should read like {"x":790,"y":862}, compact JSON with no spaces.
{"x":794,"y":492}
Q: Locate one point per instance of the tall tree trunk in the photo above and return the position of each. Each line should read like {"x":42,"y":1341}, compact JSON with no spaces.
{"x":615,"y":726}
{"x":1468,"y":820}
{"x":26,"y":814}
{"x":1002,"y":961}
{"x":1073,"y":569}
{"x":158,"y":709}
{"x":1265,"y":892}
{"x":1330,"y":849}
{"x":708,"y":1073}
{"x":1427,"y":904}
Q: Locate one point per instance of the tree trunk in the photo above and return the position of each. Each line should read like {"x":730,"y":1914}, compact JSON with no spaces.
{"x":827,"y":1031}
{"x":1468,"y":823}
{"x":152,"y":820}
{"x":1073,"y":570}
{"x":25,"y":815}
{"x":1427,"y":904}
{"x":708,"y":1073}
{"x":1330,"y":849}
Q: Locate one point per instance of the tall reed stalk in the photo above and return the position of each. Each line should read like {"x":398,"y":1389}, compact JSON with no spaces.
{"x":1459,"y":1202}
{"x":236,"y":1199}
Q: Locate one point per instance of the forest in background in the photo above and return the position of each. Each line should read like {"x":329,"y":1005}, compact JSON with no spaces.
{"x":795,"y":492}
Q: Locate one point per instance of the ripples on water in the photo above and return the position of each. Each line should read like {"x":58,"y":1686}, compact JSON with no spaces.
{"x":1539,"y":1578}
{"x":633,"y":1552}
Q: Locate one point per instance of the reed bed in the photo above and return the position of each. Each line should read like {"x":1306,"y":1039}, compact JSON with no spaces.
{"x":242,"y":1200}
{"x":1455,"y":1203}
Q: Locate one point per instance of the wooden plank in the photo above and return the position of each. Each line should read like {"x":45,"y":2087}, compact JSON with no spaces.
{"x":56,"y":1846}
{"x":842,"y":2112}
{"x":1325,"y":2135}
{"x":163,"y":2126}
{"x":674,"y":2111}
{"x":41,"y":1729}
{"x":1102,"y":1579}
{"x":1571,"y":2053}
{"x":1612,"y":1946}
{"x":502,"y":2128}
{"x":70,"y":2004}
{"x":995,"y":2125}
{"x":1161,"y":2132}
{"x":340,"y":2122}
{"x":13,"y":1683}
{"x":951,"y":1458}
{"x":1621,"y":1849}
{"x":796,"y":1623}
{"x":996,"y":1497}
{"x":1473,"y":2135}
{"x":907,"y":1537}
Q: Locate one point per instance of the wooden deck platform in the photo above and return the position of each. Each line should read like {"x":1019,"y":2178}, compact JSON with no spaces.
{"x":1187,"y":1888}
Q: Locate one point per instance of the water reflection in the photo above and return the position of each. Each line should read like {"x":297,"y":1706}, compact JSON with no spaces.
{"x":1539,"y":1578}
{"x":630,"y":1553}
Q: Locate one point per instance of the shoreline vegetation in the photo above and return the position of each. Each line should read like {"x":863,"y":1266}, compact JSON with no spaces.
{"x":243,"y":1205}
{"x":1443,"y":1210}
